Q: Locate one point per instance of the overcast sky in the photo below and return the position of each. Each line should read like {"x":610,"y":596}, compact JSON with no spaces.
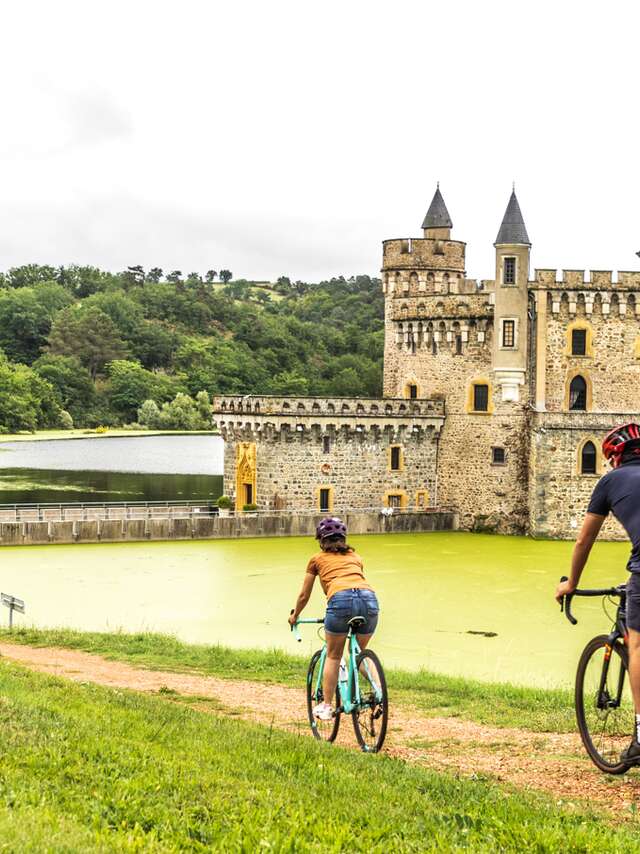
{"x":293,"y":137}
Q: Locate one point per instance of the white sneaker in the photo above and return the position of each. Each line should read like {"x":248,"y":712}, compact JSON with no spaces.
{"x":323,"y":711}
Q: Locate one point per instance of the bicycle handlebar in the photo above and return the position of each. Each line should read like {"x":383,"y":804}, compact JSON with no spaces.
{"x":565,"y":604}
{"x":294,"y":627}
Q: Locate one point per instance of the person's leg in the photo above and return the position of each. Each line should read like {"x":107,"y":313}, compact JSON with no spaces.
{"x":633,"y":645}
{"x":335,"y":649}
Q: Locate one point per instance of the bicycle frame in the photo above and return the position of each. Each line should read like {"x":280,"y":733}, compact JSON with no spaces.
{"x":350,"y":700}
{"x":618,"y":632}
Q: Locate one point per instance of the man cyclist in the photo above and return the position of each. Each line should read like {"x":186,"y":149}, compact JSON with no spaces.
{"x":617,"y":492}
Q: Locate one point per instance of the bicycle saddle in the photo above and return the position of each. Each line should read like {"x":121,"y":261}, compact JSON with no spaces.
{"x":356,"y":622}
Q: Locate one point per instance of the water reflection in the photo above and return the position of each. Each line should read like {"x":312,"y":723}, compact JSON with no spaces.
{"x":139,"y":468}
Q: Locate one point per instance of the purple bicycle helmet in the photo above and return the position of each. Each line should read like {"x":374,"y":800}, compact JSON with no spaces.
{"x":331,"y":527}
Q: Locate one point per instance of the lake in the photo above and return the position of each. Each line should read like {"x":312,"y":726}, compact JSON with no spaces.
{"x":122,"y":468}
{"x":434,"y":589}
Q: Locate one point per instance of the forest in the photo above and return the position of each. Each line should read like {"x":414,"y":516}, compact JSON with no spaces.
{"x":81,"y":347}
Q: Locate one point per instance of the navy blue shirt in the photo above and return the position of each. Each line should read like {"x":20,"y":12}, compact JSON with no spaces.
{"x":618,"y":492}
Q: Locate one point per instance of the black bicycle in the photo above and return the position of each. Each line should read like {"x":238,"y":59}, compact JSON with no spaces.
{"x":604,"y":706}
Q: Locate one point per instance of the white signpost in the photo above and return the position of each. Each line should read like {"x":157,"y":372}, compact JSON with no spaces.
{"x":13,"y":604}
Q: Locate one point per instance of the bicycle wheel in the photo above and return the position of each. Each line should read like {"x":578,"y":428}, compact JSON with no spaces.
{"x":322,"y":730}
{"x":604,"y":708}
{"x":370,"y":718}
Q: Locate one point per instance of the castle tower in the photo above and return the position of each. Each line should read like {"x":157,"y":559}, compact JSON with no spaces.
{"x":513,"y":249}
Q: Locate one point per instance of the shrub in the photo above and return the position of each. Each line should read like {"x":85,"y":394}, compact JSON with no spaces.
{"x":66,"y":421}
{"x":224,"y":502}
{"x":249,"y":507}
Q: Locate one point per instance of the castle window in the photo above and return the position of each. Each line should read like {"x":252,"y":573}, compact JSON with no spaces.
{"x":508,"y":333}
{"x":509,"y":271}
{"x":578,"y":394}
{"x":422,"y":499}
{"x":578,"y":342}
{"x":481,"y":397}
{"x":412,"y":391}
{"x":458,"y":345}
{"x":395,"y":499}
{"x":325,"y":499}
{"x":395,"y":458}
{"x":588,"y":458}
{"x":326,"y":444}
{"x":434,"y":347}
{"x":498,"y":457}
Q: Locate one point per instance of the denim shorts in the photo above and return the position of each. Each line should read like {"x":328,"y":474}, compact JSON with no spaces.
{"x":346,"y":604}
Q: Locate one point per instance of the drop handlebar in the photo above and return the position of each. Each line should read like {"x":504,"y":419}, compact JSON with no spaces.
{"x":565,"y":604}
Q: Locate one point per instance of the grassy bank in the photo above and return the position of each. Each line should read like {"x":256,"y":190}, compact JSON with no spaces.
{"x":91,"y":769}
{"x":534,"y":709}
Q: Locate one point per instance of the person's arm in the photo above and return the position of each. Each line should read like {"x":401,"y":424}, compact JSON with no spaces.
{"x":303,"y":597}
{"x":586,"y":538}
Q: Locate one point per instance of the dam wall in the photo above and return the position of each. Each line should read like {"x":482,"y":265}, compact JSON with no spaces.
{"x":217,"y":527}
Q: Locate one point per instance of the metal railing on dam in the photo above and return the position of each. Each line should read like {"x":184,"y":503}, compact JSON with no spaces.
{"x":89,"y":511}
{"x":94,"y":523}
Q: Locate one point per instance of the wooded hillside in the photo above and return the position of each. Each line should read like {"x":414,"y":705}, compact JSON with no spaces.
{"x":84,"y":347}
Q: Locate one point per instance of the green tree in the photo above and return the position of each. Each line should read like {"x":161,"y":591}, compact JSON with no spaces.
{"x":89,"y":334}
{"x":175,"y":277}
{"x":130,"y":386}
{"x":24,"y":324}
{"x":72,"y":383}
{"x":225,"y":276}
{"x":149,"y":415}
{"x":211,"y":276}
{"x":154,"y":275}
{"x":27,"y":401}
{"x":30,"y":274}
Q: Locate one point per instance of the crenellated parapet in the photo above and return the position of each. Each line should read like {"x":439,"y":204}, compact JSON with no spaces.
{"x":243,"y":417}
{"x":596,"y":279}
{"x":417,"y":253}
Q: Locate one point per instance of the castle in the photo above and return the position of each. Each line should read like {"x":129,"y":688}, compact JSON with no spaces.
{"x":497,"y":395}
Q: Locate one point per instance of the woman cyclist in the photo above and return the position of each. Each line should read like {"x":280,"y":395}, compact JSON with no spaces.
{"x":348,"y":595}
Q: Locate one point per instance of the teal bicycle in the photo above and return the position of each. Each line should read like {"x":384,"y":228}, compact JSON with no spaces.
{"x":361,"y":691}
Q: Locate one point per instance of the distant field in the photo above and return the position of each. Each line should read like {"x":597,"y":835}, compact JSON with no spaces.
{"x":84,"y":433}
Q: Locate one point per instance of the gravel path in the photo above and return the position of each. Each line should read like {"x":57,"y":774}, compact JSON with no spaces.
{"x":550,"y":762}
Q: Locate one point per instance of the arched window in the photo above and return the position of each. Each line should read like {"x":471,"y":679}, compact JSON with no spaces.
{"x":588,"y":458}
{"x":578,"y":394}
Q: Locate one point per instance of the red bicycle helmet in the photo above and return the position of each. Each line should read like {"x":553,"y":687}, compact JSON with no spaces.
{"x":615,"y":442}
{"x":330,"y":527}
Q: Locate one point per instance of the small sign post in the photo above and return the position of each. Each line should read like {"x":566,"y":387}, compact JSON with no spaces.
{"x":13,"y":604}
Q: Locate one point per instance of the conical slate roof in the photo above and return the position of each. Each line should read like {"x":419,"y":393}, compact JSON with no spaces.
{"x":513,"y":229}
{"x":437,"y":215}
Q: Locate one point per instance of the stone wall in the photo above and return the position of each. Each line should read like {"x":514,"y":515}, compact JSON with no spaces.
{"x":614,"y":368}
{"x":559,"y":493}
{"x":304,"y":445}
{"x":486,"y":495}
{"x":241,"y":525}
{"x":292,"y":467}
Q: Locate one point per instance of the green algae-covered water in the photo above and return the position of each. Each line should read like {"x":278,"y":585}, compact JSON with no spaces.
{"x":433,"y":588}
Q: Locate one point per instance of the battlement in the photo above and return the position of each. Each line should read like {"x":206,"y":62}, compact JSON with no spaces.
{"x":248,"y":415}
{"x":598,"y":279}
{"x":421,"y":253}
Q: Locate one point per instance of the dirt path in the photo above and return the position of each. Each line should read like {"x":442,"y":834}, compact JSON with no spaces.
{"x":549,"y":762}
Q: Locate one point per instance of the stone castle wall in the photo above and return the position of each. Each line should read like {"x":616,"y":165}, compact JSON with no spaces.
{"x":559,"y":494}
{"x":307,"y":444}
{"x":613,"y":367}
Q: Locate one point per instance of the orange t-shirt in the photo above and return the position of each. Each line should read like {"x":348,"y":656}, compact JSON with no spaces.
{"x":338,"y":572}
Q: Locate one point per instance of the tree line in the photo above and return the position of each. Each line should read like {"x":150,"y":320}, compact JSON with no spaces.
{"x":83,"y":347}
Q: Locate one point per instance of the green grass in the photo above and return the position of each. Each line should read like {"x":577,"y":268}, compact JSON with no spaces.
{"x":90,"y":769}
{"x":538,"y":710}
